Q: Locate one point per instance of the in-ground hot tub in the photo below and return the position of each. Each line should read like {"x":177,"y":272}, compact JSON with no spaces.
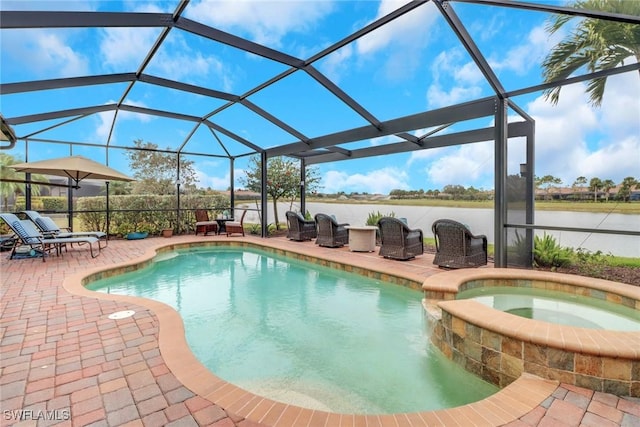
{"x":499,"y":346}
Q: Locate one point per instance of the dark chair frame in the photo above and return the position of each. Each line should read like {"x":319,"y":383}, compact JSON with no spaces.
{"x":28,"y":235}
{"x":331,"y":234}
{"x":456,"y":246}
{"x":49,"y":228}
{"x":398,"y":241}
{"x":203,"y":224}
{"x":300,"y":229}
{"x":236,"y":227}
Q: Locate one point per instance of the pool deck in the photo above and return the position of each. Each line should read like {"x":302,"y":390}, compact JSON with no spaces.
{"x":61,"y":357}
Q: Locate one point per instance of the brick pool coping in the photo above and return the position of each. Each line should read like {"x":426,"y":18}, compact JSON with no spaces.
{"x":507,"y":405}
{"x":499,"y":346}
{"x":60,"y":353}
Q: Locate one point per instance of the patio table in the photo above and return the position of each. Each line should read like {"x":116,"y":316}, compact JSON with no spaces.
{"x":362,"y":238}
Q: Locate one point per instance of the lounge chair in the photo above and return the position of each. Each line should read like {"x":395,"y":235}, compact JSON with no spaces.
{"x":398,"y":241}
{"x":456,"y":246}
{"x":49,"y":228}
{"x":28,"y":235}
{"x":299,"y":228}
{"x":331,"y":234}
{"x":236,"y":227}
{"x":203,"y":224}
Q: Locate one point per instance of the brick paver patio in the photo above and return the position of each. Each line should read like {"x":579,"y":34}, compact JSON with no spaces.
{"x":64,"y":362}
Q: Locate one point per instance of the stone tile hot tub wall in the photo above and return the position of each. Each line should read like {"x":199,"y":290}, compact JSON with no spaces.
{"x":499,"y":347}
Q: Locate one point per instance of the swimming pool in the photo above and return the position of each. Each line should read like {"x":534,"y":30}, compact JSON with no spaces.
{"x":304,"y":334}
{"x":556,"y":307}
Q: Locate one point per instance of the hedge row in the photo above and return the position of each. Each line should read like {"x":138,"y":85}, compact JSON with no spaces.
{"x":146,"y":213}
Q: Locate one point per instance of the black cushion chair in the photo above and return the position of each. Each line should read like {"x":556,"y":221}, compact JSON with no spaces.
{"x":398,"y":241}
{"x":330,"y":233}
{"x":456,"y":246}
{"x":299,"y":228}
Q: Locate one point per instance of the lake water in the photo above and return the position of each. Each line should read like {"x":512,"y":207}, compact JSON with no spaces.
{"x":480,"y":221}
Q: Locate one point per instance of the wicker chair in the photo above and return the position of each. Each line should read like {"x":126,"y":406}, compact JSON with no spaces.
{"x":203,"y":225}
{"x":299,"y":228}
{"x":456,"y":247}
{"x":236,"y":226}
{"x":330,"y":233}
{"x":398,"y":241}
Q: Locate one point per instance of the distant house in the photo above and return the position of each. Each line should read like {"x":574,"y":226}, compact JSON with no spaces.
{"x":577,"y":193}
{"x":87,"y":188}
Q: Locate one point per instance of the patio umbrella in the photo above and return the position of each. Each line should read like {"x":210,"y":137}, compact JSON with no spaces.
{"x":75,"y":167}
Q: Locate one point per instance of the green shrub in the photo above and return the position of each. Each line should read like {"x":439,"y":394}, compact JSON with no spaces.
{"x":374,"y":217}
{"x":548,"y":253}
{"x":255,"y":229}
{"x":591,"y":264}
{"x":55,"y":204}
{"x":147,"y":212}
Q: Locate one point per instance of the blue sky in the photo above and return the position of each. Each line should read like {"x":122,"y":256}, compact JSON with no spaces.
{"x":409,"y":66}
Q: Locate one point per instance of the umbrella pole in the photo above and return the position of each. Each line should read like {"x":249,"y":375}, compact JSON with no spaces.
{"x":70,"y":203}
{"x":107,"y":225}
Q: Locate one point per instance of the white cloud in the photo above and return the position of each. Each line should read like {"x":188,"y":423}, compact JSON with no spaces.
{"x":620,"y":108}
{"x":46,"y":53}
{"x":126,"y":48}
{"x":521,"y":58}
{"x":181,"y":62}
{"x":105,"y":119}
{"x":615,"y":161}
{"x":464,"y":78}
{"x":467,"y":165}
{"x":572,"y":139}
{"x":75,"y":5}
{"x":438,"y":97}
{"x":399,"y":42}
{"x":337,"y":63}
{"x":377,"y":181}
{"x":575,"y":139}
{"x":207,"y":175}
{"x":266,"y":22}
{"x":103,"y":127}
{"x":410,"y":29}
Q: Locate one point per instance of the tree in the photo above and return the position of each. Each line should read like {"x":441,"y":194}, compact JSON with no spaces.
{"x":625,"y":188}
{"x":546,"y":182}
{"x":455,"y":190}
{"x":579,"y":183}
{"x":118,"y":188}
{"x":283,"y":180}
{"x":8,"y":189}
{"x":596,"y":44}
{"x":607,"y":185}
{"x":594,"y":185}
{"x":156,"y":171}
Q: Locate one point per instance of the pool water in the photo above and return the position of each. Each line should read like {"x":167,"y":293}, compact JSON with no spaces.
{"x":557,"y":307}
{"x":303,"y":334}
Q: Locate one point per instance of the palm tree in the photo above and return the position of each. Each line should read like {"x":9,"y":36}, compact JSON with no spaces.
{"x":627,"y":185}
{"x":7,"y":188}
{"x":594,"y":185}
{"x":597,"y":44}
{"x":579,"y":183}
{"x":607,"y":185}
